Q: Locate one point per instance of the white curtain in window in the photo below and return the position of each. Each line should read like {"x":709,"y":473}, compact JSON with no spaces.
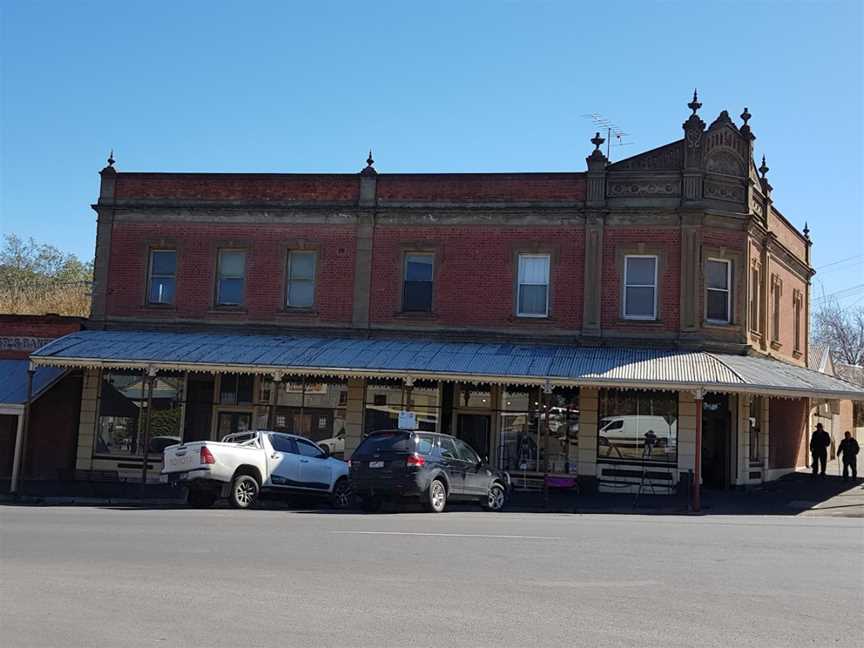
{"x":534,"y":270}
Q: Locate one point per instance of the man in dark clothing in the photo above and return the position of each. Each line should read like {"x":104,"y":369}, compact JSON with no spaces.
{"x":849,"y":448}
{"x":819,"y":443}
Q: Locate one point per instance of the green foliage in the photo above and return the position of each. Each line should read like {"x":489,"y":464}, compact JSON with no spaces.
{"x":38,"y":278}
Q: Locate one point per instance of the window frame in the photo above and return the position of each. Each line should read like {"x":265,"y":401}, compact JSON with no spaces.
{"x":289,"y":280}
{"x":643,"y":318}
{"x":220,"y":251}
{"x":151,"y":275}
{"x":404,"y":280}
{"x":519,"y":283}
{"x":728,"y":290}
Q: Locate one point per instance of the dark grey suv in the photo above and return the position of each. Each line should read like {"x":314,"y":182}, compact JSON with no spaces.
{"x":436,"y":468}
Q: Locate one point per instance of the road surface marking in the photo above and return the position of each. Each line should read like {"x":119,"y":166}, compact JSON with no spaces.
{"x":450,"y":535}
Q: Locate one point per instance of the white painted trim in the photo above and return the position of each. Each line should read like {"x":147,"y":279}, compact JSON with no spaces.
{"x":776,"y":473}
{"x":728,"y":319}
{"x":624,"y":314}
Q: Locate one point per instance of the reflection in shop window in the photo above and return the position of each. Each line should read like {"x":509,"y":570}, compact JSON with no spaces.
{"x":236,"y":389}
{"x":122,"y":408}
{"x":386,"y":398}
{"x":313,"y":408}
{"x":538,"y":431}
{"x":636,"y":425}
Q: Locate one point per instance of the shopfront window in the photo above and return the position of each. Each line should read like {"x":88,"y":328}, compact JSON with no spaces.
{"x":313,"y":408}
{"x":636,"y":425}
{"x":538,"y":431}
{"x":122,"y":413}
{"x":386,"y":398}
{"x":236,"y":389}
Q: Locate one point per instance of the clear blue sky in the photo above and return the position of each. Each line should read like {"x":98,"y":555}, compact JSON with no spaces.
{"x":434,"y":86}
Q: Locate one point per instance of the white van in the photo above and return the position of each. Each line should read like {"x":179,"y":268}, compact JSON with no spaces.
{"x":637,"y":437}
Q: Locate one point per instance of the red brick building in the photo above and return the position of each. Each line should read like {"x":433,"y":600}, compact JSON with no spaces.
{"x":48,"y":451}
{"x":679,"y":252}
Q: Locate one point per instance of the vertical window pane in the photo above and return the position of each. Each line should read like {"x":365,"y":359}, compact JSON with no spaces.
{"x":163,"y":267}
{"x":164,"y":262}
{"x":417,"y":288}
{"x":232,"y":263}
{"x":533,"y":269}
{"x":639,"y":302}
{"x":302,"y":265}
{"x":532,"y":300}
{"x":231,"y":292}
{"x":301,"y":294}
{"x":717,"y":275}
{"x":640,"y":271}
{"x":717,"y":308}
{"x":418,"y":267}
{"x":533,"y":289}
{"x":161,"y":290}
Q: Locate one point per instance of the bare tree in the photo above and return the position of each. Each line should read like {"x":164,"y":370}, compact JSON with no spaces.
{"x":842,"y":330}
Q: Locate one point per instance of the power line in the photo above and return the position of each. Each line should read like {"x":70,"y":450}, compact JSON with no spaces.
{"x":848,"y":292}
{"x":833,"y":263}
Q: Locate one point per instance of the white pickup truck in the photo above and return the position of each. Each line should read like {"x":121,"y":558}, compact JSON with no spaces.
{"x":244,"y":464}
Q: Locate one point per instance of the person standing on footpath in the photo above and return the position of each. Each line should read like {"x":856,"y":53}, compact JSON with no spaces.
{"x":849,"y":447}
{"x":819,"y":443}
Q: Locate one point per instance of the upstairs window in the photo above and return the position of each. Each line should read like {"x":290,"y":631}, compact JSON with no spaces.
{"x":418,"y":282}
{"x":163,"y":276}
{"x":640,"y":287}
{"x":301,"y":279}
{"x":533,"y":291}
{"x":231,"y":281}
{"x":754,"y":300}
{"x":718,"y":293}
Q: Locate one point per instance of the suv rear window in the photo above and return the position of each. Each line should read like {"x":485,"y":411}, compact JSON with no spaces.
{"x":384,"y":442}
{"x":425,"y":444}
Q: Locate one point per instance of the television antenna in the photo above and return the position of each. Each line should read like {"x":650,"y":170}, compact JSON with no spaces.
{"x":613,"y":132}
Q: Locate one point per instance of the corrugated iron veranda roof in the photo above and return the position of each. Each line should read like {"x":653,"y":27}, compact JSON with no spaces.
{"x":465,"y":361}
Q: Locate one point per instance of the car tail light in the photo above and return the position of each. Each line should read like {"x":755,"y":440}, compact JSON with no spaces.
{"x":415,"y":460}
{"x":207,"y":456}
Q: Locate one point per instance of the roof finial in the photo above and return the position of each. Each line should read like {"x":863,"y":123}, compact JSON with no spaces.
{"x":369,"y":170}
{"x":694,"y":105}
{"x":597,"y":141}
{"x":763,"y":170}
{"x":806,"y":231}
{"x":369,"y":160}
{"x":746,"y":115}
{"x":111,"y":159}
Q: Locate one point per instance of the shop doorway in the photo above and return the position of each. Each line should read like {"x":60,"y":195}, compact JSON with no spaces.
{"x":199,"y":408}
{"x":474,"y":429}
{"x":716,"y":441}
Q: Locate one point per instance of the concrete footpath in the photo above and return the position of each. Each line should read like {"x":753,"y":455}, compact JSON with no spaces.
{"x":796,"y":494}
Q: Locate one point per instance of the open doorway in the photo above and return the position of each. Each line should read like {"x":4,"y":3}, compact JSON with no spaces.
{"x":716,"y":441}
{"x":474,"y":429}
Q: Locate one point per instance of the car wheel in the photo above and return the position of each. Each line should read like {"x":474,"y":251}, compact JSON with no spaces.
{"x":496,"y":498}
{"x":201,"y":498}
{"x":326,"y":448}
{"x":342,"y":495}
{"x":244,"y":491}
{"x":370,"y":504}
{"x":436,"y":496}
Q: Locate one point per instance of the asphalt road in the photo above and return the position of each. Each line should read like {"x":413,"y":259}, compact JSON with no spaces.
{"x":109,"y":577}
